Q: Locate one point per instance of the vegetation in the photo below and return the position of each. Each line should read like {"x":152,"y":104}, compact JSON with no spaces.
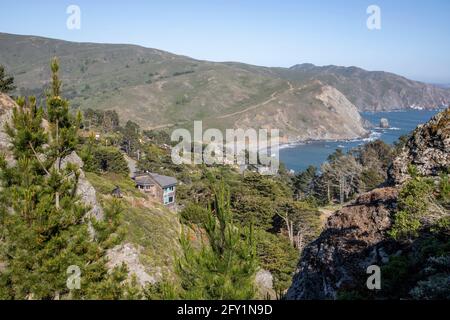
{"x":421,"y":203}
{"x":250,"y":222}
{"x":6,"y":81}
{"x":102,"y":159}
{"x":43,"y":223}
{"x":344,"y":176}
{"x":225,"y":266}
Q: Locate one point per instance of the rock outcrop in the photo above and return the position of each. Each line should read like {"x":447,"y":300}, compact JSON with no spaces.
{"x":129,"y":255}
{"x":356,"y":236}
{"x":264,"y":284}
{"x":85,"y":190}
{"x":6,"y":107}
{"x":384,"y":123}
{"x":428,"y":150}
{"x":354,"y":239}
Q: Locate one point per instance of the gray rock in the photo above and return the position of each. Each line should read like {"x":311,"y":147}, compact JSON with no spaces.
{"x":428,"y":150}
{"x":264,"y":284}
{"x":6,"y":107}
{"x":129,"y":254}
{"x":85,"y":190}
{"x":384,"y":123}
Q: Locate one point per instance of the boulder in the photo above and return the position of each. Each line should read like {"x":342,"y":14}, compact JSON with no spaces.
{"x":384,"y":123}
{"x":127,"y":253}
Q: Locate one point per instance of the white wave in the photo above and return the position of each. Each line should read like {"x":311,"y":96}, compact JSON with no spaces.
{"x":290,"y":145}
{"x":384,"y":129}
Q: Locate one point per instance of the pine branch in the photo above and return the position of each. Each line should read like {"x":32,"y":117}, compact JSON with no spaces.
{"x":37,"y":157}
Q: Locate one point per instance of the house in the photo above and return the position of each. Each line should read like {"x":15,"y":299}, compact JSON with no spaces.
{"x":162,"y":188}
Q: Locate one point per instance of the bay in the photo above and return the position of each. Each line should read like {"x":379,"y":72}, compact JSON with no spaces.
{"x":298,"y":157}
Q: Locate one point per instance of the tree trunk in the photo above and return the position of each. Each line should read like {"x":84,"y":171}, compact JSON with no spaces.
{"x":58,"y":163}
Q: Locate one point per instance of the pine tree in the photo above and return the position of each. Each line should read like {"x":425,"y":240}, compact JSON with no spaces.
{"x":43,"y":224}
{"x":225,"y":266}
{"x":63,"y":127}
{"x":6,"y":82}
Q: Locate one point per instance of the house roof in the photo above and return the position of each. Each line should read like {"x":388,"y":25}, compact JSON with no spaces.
{"x":144,"y":180}
{"x":152,"y":178}
{"x":164,"y":181}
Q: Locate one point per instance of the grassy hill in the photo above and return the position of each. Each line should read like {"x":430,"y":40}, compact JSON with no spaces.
{"x":372,"y":90}
{"x":158,"y":89}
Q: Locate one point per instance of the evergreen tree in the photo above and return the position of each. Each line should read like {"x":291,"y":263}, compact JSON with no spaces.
{"x":6,"y":82}
{"x":303,"y":182}
{"x":131,"y":133}
{"x":44,"y":229}
{"x":225,"y":266}
{"x":63,"y":129}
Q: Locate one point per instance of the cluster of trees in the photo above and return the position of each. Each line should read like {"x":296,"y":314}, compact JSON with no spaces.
{"x":45,"y":230}
{"x":249,"y":222}
{"x":127,"y":138}
{"x":105,"y":121}
{"x":100,"y":159}
{"x":343,"y":176}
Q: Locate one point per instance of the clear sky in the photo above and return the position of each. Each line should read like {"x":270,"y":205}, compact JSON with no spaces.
{"x":414,"y":39}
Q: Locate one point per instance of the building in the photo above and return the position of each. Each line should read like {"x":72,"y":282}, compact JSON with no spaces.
{"x":162,"y":188}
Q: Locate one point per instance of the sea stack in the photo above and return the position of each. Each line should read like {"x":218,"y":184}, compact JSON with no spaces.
{"x":384,"y":123}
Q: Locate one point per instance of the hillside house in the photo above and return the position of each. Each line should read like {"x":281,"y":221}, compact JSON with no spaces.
{"x":161,"y":188}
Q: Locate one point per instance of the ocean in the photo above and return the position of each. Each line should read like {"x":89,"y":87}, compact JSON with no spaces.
{"x":299,"y":156}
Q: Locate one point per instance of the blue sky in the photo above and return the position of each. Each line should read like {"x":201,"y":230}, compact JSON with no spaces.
{"x":414,"y":39}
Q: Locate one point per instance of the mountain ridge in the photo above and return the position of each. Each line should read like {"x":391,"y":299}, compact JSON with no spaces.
{"x":158,"y":89}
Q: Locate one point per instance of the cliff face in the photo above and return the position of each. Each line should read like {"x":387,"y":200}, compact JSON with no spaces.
{"x":428,"y":150}
{"x":313,"y":111}
{"x":373,"y":90}
{"x":6,"y":107}
{"x":353,"y":240}
{"x":356,"y":236}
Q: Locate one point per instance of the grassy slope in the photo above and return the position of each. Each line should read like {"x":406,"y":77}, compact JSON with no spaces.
{"x":146,"y":224}
{"x":156,"y":88}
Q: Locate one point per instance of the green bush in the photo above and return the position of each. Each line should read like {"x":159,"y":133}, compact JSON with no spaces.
{"x":413,"y":203}
{"x":100,"y":159}
{"x":195,"y":214}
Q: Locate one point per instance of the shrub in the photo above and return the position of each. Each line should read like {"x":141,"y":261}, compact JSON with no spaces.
{"x":413,"y":203}
{"x":101,"y":159}
{"x":195,"y":214}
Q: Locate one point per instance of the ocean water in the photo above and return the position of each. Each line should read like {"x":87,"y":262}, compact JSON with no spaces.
{"x":298,"y":157}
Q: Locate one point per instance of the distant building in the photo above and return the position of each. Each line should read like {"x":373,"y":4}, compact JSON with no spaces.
{"x":161,"y":188}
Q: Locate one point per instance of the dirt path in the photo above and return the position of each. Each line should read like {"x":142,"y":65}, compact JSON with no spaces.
{"x":273,"y":96}
{"x":132,"y":164}
{"x":161,"y":126}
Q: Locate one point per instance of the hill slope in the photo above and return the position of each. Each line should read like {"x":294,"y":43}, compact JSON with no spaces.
{"x":372,"y":90}
{"x":158,"y":89}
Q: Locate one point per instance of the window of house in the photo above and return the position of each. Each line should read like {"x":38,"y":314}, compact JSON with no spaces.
{"x":168,"y":200}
